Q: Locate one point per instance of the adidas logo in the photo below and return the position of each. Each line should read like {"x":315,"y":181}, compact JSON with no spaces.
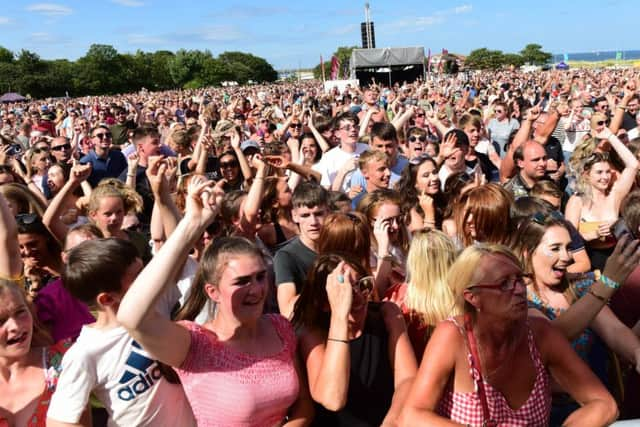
{"x":140,"y":374}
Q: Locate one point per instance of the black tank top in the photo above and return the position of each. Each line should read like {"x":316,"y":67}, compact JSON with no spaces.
{"x":371,"y":384}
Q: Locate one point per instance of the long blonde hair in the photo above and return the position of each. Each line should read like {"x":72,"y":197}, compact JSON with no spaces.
{"x":428,"y":295}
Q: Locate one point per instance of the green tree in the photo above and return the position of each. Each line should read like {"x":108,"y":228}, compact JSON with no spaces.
{"x":247,"y":67}
{"x":186,"y":65}
{"x":533,"y":54}
{"x":484,"y":59}
{"x":101,"y":70}
{"x":6,"y":56}
{"x":513,"y":59}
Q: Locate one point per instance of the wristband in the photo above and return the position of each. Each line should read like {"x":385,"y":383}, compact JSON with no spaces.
{"x":338,"y":340}
{"x":608,"y":282}
{"x":621,"y":107}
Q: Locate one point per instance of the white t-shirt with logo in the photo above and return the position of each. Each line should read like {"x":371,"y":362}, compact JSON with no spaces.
{"x":123,"y":377}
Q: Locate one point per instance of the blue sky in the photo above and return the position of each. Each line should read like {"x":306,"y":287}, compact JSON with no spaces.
{"x":291,"y":34}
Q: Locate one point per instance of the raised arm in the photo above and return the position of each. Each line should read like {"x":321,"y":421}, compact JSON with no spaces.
{"x":628,"y":176}
{"x":245,"y":169}
{"x":10,"y":260}
{"x":328,"y":359}
{"x":507,"y":165}
{"x":399,"y":121}
{"x":165,"y":340}
{"x":51,"y":218}
{"x":324,"y":146}
{"x":249,"y":214}
{"x":621,"y":108}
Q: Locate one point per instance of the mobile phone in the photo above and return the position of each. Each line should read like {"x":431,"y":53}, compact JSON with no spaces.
{"x":14,"y":150}
{"x":620,"y":228}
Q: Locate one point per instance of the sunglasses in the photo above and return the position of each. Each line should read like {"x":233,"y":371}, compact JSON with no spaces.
{"x":103,"y":135}
{"x":413,"y":138}
{"x":27,"y":219}
{"x":61,"y":147}
{"x":41,"y":150}
{"x":541,"y":218}
{"x":297,"y":125}
{"x":231,"y":164}
{"x":364,"y":285}
{"x":420,"y":115}
{"x":499,"y":111}
{"x":421,"y":158}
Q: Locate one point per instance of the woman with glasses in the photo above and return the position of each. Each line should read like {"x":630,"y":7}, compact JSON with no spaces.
{"x":492,"y":365}
{"x":575,"y":304}
{"x":596,"y":204}
{"x":419,"y":187}
{"x":358,"y":357}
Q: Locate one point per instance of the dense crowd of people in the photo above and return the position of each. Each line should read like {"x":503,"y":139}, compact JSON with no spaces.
{"x":460,"y":250}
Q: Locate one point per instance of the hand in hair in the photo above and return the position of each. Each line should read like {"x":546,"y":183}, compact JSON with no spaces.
{"x":339,"y":291}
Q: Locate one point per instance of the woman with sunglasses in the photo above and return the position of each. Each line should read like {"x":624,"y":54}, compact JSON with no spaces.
{"x":358,"y":356}
{"x":491,"y":365}
{"x":501,"y":126}
{"x":596,"y":204}
{"x":575,"y":304}
{"x":419,"y":187}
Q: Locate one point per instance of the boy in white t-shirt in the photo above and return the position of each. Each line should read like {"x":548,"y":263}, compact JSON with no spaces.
{"x":105,"y":360}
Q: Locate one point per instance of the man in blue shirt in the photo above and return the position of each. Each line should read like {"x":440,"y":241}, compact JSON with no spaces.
{"x":106,"y":163}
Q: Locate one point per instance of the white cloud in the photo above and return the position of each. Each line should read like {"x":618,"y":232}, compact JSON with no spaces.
{"x":128,"y":3}
{"x":463,"y":9}
{"x":50,"y":9}
{"x":4,"y":20}
{"x":218,"y":33}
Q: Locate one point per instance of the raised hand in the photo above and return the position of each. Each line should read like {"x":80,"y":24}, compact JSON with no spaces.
{"x":203,"y":200}
{"x":339,"y":290}
{"x":623,"y":260}
{"x":79,"y":172}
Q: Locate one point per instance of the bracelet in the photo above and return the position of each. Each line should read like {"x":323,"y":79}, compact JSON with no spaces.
{"x":600,"y":297}
{"x":338,"y":340}
{"x":258,"y":177}
{"x":131,"y":175}
{"x":621,"y":107}
{"x":608,"y":282}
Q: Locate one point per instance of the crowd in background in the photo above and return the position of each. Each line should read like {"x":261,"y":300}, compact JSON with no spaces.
{"x":460,"y":250}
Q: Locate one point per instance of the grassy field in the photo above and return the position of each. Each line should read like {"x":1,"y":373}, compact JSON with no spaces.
{"x":603,"y":64}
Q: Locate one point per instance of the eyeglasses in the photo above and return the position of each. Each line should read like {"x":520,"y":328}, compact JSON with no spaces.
{"x":297,"y":125}
{"x":364,"y":285}
{"x":231,"y":164}
{"x":507,"y":285}
{"x":414,"y":138}
{"x":61,"y":147}
{"x":103,"y":135}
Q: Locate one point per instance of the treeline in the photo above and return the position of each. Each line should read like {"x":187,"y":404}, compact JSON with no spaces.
{"x":102,"y":70}
{"x":487,"y":59}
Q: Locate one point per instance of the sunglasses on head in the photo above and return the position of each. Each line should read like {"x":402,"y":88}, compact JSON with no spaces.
{"x":61,"y":147}
{"x":27,"y":219}
{"x":421,"y":158}
{"x":414,"y":138}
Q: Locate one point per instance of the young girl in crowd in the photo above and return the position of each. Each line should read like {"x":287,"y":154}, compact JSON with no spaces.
{"x":419,"y":187}
{"x":240,"y":368}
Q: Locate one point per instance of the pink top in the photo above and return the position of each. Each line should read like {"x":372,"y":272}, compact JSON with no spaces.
{"x":466,"y":408}
{"x":229,"y":388}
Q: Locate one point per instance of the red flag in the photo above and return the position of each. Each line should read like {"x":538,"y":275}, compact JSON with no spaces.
{"x":322,"y":67}
{"x":335,"y":67}
{"x":429,"y":61}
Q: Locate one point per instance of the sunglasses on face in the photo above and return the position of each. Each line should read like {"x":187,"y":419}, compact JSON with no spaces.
{"x":102,"y":136}
{"x":231,"y":164}
{"x":364,"y":285}
{"x":414,"y":138}
{"x":39,"y":150}
{"x":297,"y":125}
{"x":27,"y":219}
{"x":61,"y":147}
{"x":420,"y":115}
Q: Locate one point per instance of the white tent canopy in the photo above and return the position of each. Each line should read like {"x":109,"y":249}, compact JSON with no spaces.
{"x":388,"y":56}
